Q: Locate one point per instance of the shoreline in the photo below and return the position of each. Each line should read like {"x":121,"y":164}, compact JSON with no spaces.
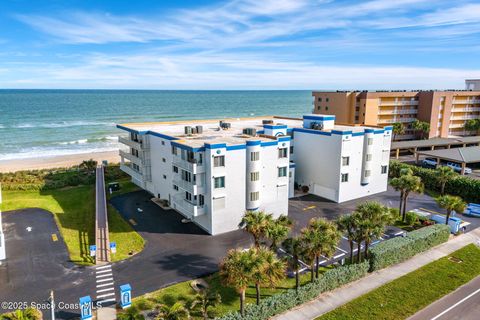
{"x":63,"y":161}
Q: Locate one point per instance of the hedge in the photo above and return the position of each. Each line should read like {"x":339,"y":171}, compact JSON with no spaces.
{"x":289,"y":299}
{"x":48,"y":179}
{"x":465,"y":187}
{"x":399,"y":249}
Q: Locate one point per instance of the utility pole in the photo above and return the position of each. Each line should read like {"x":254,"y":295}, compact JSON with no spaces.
{"x":52,"y":305}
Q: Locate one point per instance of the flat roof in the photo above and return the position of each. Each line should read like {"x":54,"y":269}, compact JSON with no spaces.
{"x":466,"y":154}
{"x":434,"y":142}
{"x":212,"y":134}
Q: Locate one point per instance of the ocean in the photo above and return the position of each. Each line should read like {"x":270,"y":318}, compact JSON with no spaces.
{"x":37,"y":123}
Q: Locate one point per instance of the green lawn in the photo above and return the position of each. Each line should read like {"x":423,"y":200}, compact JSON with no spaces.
{"x":74,"y":211}
{"x":230,"y":299}
{"x":405,"y":296}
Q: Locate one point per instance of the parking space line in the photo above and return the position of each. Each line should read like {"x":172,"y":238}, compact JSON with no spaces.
{"x":104,"y":275}
{"x":106,"y":295}
{"x":103,"y":271}
{"x":309,"y":208}
{"x":54,"y":237}
{"x":341,"y":249}
{"x":104,"y":290}
{"x":103,"y":267}
{"x":105,"y":280}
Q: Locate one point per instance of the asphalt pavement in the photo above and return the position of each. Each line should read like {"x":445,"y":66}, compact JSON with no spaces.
{"x":462,"y":304}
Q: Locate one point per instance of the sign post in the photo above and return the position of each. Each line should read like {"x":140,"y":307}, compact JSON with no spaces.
{"x":93,"y":250}
{"x":125,"y":296}
{"x":86,"y":308}
{"x":113,"y":247}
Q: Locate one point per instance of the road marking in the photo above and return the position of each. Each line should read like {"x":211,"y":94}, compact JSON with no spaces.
{"x":103,"y":267}
{"x":105,"y":295}
{"x":309,"y":208}
{"x":106,"y":300}
{"x":104,"y":280}
{"x":341,"y":250}
{"x":105,"y":275}
{"x":108,"y":289}
{"x":54,"y":237}
{"x":338,"y":255}
{"x":456,"y":304}
{"x":104,"y":285}
{"x":132,"y":222}
{"x":431,"y":211}
{"x":103,"y":271}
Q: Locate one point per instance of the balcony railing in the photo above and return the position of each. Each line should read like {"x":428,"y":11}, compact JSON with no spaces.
{"x":191,"y":165}
{"x":472,"y":101}
{"x":186,"y":207}
{"x":133,"y":144}
{"x":194,"y":189}
{"x":465,"y":117}
{"x":467,"y":109}
{"x":131,"y":172}
{"x":399,"y":103}
{"x":399,"y":111}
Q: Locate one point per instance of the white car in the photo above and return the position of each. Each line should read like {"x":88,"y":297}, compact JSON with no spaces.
{"x":458,"y":168}
{"x":429,"y":163}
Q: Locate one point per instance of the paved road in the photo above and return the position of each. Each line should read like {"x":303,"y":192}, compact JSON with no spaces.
{"x":36,"y":263}
{"x":101,"y":232}
{"x":462,"y":304}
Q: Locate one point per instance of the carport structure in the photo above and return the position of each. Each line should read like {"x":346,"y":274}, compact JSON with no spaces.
{"x":431,"y":144}
{"x":460,"y":155}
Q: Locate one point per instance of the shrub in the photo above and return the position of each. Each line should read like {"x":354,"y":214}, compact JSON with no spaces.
{"x":411,"y":218}
{"x":400,"y":249}
{"x":284,"y":301}
{"x":465,"y":187}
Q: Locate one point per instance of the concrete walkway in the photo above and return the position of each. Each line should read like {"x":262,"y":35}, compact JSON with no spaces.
{"x":336,"y":298}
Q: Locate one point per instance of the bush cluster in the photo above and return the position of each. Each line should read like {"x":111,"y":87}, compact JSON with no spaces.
{"x":49,"y":179}
{"x":400,"y":249}
{"x":465,"y":187}
{"x":289,"y":299}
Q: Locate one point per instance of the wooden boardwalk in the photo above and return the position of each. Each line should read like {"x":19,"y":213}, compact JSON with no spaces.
{"x":101,"y":219}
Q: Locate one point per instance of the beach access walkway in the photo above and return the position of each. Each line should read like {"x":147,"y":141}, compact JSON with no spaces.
{"x":336,"y":298}
{"x":101,"y":219}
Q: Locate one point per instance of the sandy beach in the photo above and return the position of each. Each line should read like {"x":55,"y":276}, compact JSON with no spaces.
{"x":57,"y":161}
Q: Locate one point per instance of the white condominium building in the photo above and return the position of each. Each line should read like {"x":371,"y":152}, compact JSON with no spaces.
{"x":212,"y":171}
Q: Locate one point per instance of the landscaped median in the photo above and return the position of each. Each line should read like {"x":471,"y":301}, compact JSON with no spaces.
{"x":405,"y":296}
{"x":63,"y":194}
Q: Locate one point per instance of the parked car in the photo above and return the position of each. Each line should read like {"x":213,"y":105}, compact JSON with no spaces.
{"x":458,"y":168}
{"x":429,"y":163}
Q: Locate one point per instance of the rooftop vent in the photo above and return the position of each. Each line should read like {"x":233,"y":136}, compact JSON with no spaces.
{"x":316,"y":126}
{"x":199,"y":129}
{"x":225,"y":125}
{"x":188,"y":130}
{"x":267,"y":121}
{"x":250,"y":131}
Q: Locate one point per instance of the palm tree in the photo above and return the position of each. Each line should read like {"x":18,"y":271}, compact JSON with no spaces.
{"x":309,"y":252}
{"x":293,"y":246}
{"x":205,"y":300}
{"x":375,"y":217}
{"x":88,"y":165}
{"x":472,"y":125}
{"x":268,"y":269}
{"x":131,"y":313}
{"x":256,"y":223}
{"x":348,"y":224}
{"x":451,"y":203}
{"x":177,"y":311}
{"x":326,"y":239}
{"x":406,"y":184}
{"x":398,"y":128}
{"x":444,"y":174}
{"x":421,"y":127}
{"x":399,"y":185}
{"x":236,"y":271}
{"x":276,"y":232}
{"x":27,"y":314}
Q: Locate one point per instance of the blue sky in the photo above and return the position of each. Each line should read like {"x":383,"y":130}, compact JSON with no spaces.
{"x":251,"y":44}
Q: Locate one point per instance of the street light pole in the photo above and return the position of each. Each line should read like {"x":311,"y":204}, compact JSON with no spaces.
{"x":52,"y":305}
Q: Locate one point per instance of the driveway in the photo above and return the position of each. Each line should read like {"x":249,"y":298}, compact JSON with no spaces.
{"x":36,"y":263}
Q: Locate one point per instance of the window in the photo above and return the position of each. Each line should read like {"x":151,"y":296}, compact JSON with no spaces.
{"x":367,"y":173}
{"x":163,"y":160}
{"x":254,"y":196}
{"x":175,"y":169}
{"x":201,"y":200}
{"x":282,"y":153}
{"x":188,"y":196}
{"x":369,"y":157}
{"x":384,"y":169}
{"x":219,"y":161}
{"x":282,"y":171}
{"x":255,"y":156}
{"x":344,"y":177}
{"x":370,"y":141}
{"x":319,"y":99}
{"x":174,"y":150}
{"x":345,"y":161}
{"x":254,"y":176}
{"x":186,"y":176}
{"x":291,"y":149}
{"x":175,"y":187}
{"x":326,"y":108}
{"x":327,"y":99}
{"x":163,"y":143}
{"x":164,"y":177}
{"x":219,"y":182}
{"x":319,"y":108}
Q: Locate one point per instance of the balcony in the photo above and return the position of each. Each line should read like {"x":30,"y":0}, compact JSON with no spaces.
{"x":467,"y":109}
{"x":398,"y":111}
{"x":189,"y":165}
{"x":381,"y":121}
{"x":189,"y":209}
{"x":132,"y":144}
{"x":467,"y":101}
{"x":465,"y":117}
{"x":188,"y":186}
{"x":132,"y":158}
{"x":399,"y":103}
{"x":131,"y":172}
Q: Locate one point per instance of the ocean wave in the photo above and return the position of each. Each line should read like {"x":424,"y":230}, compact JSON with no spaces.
{"x":40,"y":152}
{"x":63,"y":124}
{"x":91,"y":140}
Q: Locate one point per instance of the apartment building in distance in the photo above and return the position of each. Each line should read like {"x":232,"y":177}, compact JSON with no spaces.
{"x":472,"y":84}
{"x":212,"y":171}
{"x":446,"y":111}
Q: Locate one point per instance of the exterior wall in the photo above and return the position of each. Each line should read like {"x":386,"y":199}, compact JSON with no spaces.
{"x":339,"y":104}
{"x":161,"y":187}
{"x":473,"y":84}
